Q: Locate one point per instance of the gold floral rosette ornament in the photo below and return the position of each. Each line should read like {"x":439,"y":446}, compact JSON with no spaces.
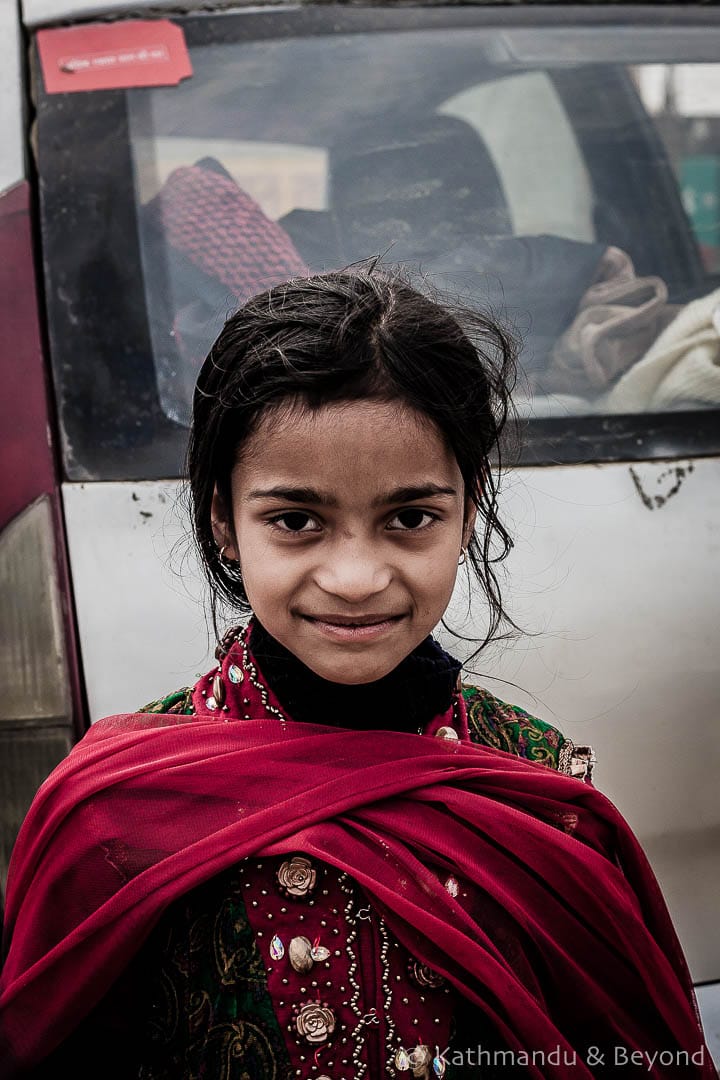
{"x":296,"y":878}
{"x":315,"y":1022}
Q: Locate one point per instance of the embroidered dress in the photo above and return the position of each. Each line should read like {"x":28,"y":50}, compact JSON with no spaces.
{"x":254,"y":893}
{"x":366,"y":968}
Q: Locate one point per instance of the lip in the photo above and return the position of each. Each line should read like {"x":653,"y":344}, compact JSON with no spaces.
{"x":337,"y":626}
{"x":354,"y":620}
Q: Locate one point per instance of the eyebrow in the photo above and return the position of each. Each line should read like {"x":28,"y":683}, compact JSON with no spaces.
{"x":320,"y":498}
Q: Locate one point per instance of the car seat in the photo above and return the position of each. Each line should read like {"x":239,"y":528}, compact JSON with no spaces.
{"x":419,"y":186}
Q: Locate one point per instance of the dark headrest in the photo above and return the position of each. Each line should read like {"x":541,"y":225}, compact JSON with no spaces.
{"x":421,"y":185}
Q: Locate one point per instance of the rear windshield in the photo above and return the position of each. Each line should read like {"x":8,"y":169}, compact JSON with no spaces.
{"x":566,"y":179}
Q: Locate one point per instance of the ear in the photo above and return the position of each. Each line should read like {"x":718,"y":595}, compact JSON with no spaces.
{"x":222,"y":527}
{"x":470,"y":517}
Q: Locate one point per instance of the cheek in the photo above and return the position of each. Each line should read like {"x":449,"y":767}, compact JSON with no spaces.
{"x":435,"y":579}
{"x":269,"y":573}
{"x":253,"y":542}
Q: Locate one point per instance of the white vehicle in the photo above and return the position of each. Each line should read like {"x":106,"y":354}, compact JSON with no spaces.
{"x":561,"y":164}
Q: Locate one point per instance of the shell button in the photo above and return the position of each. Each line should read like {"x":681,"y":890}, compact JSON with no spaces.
{"x":446,"y":732}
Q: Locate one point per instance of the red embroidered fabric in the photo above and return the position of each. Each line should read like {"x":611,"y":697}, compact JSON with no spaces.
{"x":148,"y":806}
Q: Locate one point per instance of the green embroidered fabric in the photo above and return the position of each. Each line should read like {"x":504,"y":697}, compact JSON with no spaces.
{"x":493,"y":722}
{"x":211,"y":1016}
{"x":180,"y":702}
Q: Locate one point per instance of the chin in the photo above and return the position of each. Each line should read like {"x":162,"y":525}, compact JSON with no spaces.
{"x":351,"y":672}
{"x":360,"y":680}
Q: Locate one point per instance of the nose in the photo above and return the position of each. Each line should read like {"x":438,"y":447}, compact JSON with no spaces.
{"x":354,"y":569}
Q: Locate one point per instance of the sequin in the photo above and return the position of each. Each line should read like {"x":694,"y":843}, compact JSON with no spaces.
{"x":438,"y":1066}
{"x":319,"y":952}
{"x":235,"y":674}
{"x":277,"y":949}
{"x":211,"y":702}
{"x":402,"y":1061}
{"x":446,"y":732}
{"x":452,"y":886}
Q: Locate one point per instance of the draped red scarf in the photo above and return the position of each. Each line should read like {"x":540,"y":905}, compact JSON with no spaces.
{"x":146,"y":807}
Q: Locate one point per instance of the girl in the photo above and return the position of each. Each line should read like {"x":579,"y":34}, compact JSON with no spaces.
{"x":331,"y":858}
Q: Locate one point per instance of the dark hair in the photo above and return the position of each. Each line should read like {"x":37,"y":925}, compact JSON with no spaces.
{"x":343,"y":336}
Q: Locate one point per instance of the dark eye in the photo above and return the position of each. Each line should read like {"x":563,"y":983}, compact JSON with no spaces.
{"x":411,"y":520}
{"x":295,"y":519}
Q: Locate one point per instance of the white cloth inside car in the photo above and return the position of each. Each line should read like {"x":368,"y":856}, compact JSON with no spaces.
{"x":680,"y":369}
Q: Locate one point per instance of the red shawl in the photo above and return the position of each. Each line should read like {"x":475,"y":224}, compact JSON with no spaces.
{"x":148,"y":806}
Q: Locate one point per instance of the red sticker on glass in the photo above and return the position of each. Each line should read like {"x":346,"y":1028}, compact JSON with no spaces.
{"x":113,"y":56}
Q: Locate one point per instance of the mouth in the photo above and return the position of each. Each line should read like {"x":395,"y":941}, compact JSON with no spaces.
{"x":353,"y":620}
{"x":353,"y":628}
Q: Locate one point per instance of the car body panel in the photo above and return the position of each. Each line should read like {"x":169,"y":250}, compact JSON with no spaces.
{"x":12,"y":105}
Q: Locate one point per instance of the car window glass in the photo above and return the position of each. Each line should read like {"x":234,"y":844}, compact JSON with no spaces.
{"x":530,"y":138}
{"x":571,"y":195}
{"x":508,"y":190}
{"x":684,"y":101}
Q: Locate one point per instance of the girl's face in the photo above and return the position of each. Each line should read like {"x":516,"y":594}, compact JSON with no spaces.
{"x":352,"y":514}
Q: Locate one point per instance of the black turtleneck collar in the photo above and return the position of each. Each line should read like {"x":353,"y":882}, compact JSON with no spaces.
{"x":407,"y":698}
